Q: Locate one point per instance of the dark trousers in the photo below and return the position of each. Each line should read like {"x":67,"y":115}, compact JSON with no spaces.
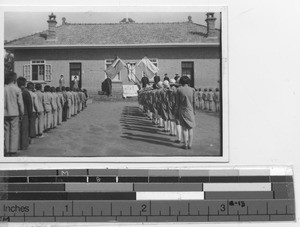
{"x":24,"y":133}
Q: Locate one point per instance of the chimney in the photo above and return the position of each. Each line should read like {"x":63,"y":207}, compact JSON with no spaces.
{"x":190,"y":19}
{"x":210,"y":21}
{"x":51,"y":27}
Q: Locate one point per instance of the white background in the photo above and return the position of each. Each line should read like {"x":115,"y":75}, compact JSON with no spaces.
{"x":264,"y":79}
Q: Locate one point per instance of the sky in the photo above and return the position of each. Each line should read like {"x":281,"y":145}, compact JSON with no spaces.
{"x":20,"y":24}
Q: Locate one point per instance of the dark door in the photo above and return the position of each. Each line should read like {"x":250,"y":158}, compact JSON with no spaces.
{"x":75,"y":74}
{"x":187,"y":68}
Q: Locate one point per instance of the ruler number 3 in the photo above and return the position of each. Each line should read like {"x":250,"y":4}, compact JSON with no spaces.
{"x":222,"y":207}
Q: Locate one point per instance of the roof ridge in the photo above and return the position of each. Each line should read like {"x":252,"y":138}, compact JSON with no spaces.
{"x":182,"y":22}
{"x":36,"y":33}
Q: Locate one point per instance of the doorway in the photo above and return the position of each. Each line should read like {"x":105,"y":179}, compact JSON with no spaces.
{"x":75,"y":74}
{"x":187,"y":68}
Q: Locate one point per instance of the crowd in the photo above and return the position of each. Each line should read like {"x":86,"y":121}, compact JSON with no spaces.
{"x":208,"y":99}
{"x":30,"y":112}
{"x":171,"y":105}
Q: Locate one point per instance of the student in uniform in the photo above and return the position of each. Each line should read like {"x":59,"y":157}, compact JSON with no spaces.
{"x":159,"y":103}
{"x":24,"y":124}
{"x":48,"y":100}
{"x":171,"y":93}
{"x":204,"y":97}
{"x":86,"y":97}
{"x":40,"y":111}
{"x":217,"y":100}
{"x":176,"y":114}
{"x":164,"y":106}
{"x":200,"y":99}
{"x":65,"y":105}
{"x":32,"y":119}
{"x":13,"y":112}
{"x":54,"y":106}
{"x":210,"y":99}
{"x":69,"y":101}
{"x":60,"y":103}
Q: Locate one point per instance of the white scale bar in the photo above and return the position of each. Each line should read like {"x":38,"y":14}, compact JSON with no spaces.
{"x":216,"y":187}
{"x":169,"y":195}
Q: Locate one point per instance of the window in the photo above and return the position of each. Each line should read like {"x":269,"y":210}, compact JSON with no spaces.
{"x":38,"y":70}
{"x":187,"y":68}
{"x":154,"y":61}
{"x":107,"y":64}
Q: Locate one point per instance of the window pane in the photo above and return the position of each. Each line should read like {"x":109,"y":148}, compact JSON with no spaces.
{"x":35,"y":72}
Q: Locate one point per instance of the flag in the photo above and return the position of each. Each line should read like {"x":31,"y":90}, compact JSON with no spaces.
{"x":148,"y":67}
{"x":131,"y":72}
{"x":114,"y":68}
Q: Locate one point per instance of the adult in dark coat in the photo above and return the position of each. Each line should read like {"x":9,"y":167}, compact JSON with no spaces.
{"x":186,"y":110}
{"x":156,"y":79}
{"x":166,"y":77}
{"x":145,"y":81}
{"x":106,"y":86}
{"x":24,"y":124}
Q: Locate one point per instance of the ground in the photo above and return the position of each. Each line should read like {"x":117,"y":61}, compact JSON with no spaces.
{"x":106,"y":129}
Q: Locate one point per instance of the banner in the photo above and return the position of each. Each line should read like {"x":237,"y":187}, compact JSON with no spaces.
{"x":114,"y":68}
{"x":148,"y":67}
{"x":130,"y":91}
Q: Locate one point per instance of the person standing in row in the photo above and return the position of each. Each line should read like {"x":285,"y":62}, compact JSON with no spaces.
{"x":217,"y":100}
{"x":186,"y":110}
{"x":40,"y":111}
{"x":32,"y":119}
{"x":65,"y":105}
{"x":48,"y":107}
{"x":24,"y":123}
{"x":13,"y":112}
{"x":54,"y":106}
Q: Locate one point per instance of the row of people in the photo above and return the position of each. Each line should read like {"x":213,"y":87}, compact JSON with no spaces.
{"x":208,"y":99}
{"x":171,"y":106}
{"x":29,"y":112}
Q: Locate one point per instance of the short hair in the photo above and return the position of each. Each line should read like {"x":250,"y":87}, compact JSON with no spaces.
{"x":38,"y":87}
{"x":30,"y":85}
{"x":199,"y":89}
{"x":217,"y":89}
{"x":57,"y":89}
{"x":184,"y":80}
{"x":67,"y":89}
{"x":21,"y":81}
{"x":205,"y":89}
{"x":53,"y":89}
{"x":63,"y":88}
{"x":210,"y":89}
{"x":47,"y":88}
{"x":10,"y":77}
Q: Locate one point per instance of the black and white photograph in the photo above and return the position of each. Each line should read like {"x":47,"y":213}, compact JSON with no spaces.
{"x":126,"y":85}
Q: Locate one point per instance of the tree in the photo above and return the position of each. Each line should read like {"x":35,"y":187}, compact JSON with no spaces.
{"x":9,"y":61}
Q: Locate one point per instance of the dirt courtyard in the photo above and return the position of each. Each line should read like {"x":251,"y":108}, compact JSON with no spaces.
{"x":107,"y":129}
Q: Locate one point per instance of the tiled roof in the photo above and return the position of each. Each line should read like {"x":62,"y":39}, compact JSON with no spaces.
{"x":120,"y":34}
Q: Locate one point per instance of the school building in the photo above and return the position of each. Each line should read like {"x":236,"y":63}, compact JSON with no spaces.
{"x":86,"y":50}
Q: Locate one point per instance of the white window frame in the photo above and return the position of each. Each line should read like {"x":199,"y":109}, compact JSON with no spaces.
{"x":154,"y":61}
{"x":107,"y":63}
{"x":47,"y":77}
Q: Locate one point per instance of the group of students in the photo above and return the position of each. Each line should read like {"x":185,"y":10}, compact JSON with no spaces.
{"x":29,"y":112}
{"x":170,"y":104}
{"x":208,"y":99}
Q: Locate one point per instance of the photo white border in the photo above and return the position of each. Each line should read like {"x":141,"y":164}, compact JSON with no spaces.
{"x":136,"y":8}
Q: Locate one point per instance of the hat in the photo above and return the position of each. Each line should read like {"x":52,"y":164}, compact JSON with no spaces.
{"x":166,"y":83}
{"x":172,"y":81}
{"x":160,"y":84}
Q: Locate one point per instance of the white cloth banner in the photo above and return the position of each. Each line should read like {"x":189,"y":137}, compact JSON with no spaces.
{"x":130,"y":91}
{"x":131,"y":72}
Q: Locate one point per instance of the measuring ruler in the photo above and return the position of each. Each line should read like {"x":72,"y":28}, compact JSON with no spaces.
{"x":128,"y":195}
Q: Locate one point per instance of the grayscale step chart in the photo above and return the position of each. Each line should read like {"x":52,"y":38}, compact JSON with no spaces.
{"x":146,"y":195}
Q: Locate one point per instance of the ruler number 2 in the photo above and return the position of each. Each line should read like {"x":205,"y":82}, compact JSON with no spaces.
{"x":144,"y":208}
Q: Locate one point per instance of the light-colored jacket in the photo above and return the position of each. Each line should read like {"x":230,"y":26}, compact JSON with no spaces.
{"x":41,"y":100}
{"x":13,"y":101}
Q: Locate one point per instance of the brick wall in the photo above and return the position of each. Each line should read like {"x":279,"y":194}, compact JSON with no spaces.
{"x":206,"y":63}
